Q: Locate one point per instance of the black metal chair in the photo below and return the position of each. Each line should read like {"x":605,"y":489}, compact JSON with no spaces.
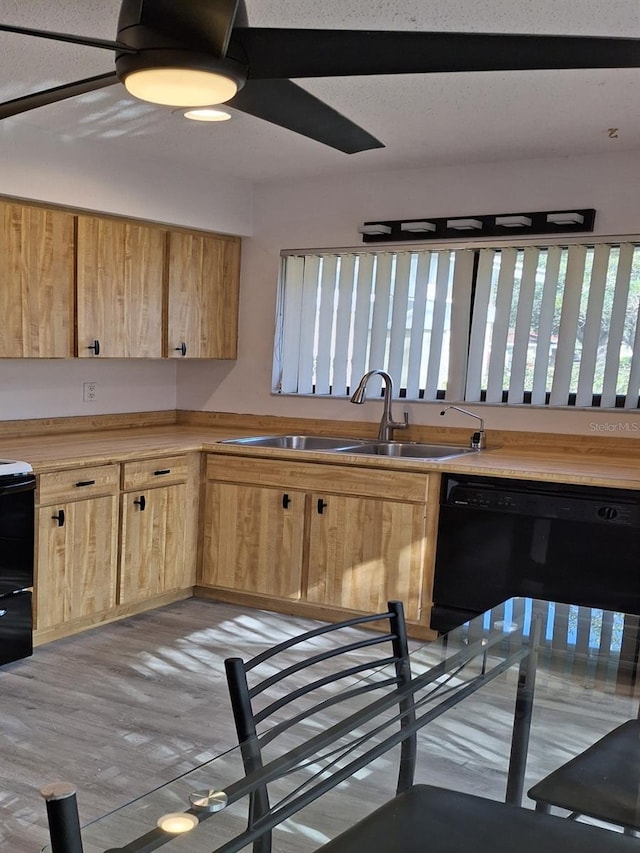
{"x":426,"y":819}
{"x":356,"y":663}
{"x":603,"y":782}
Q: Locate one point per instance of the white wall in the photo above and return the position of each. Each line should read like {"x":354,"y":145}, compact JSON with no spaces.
{"x":322,"y":212}
{"x":326,"y":213}
{"x":85,"y":174}
{"x":31,"y":388}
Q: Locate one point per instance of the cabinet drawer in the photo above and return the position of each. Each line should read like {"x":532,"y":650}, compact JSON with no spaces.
{"x":78,"y":483}
{"x":149,"y":473}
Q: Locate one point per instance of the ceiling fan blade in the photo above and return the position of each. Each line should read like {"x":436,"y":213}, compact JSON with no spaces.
{"x":88,"y":42}
{"x":278,"y":53}
{"x":283,"y":103}
{"x":58,"y":93}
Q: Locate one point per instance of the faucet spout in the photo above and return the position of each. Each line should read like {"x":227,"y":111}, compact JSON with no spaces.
{"x":387,"y":424}
{"x":478,"y":440}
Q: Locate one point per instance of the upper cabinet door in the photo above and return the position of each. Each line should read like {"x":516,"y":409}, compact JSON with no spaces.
{"x":204,"y":275}
{"x":120,"y":288}
{"x":36,"y":282}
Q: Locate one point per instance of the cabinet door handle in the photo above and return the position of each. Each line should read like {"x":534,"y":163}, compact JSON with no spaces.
{"x":59,"y":517}
{"x":82,"y":483}
{"x":95,"y":346}
{"x":286,"y":500}
{"x":321,"y":506}
{"x":182,"y":349}
{"x":161,"y":472}
{"x":141,"y":502}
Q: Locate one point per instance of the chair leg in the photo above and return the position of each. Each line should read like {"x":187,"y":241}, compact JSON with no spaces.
{"x":64,"y":822}
{"x":259,"y":807}
{"x":545,"y":808}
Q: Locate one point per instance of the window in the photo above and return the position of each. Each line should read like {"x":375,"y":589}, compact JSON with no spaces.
{"x":543,"y":325}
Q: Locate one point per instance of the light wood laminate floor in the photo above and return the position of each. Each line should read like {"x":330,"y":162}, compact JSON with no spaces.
{"x":125,"y":707}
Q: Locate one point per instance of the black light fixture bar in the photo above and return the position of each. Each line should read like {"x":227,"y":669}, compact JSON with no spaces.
{"x":487,"y":225}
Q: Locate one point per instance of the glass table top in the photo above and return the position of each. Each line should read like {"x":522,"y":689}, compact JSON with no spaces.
{"x":464,"y":687}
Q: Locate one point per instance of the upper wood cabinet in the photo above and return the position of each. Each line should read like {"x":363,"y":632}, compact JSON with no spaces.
{"x":120,"y":288}
{"x":92,"y":285}
{"x":204,"y":273}
{"x":37,"y":266}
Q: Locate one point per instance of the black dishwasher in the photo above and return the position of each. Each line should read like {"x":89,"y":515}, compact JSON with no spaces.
{"x":499,"y":538}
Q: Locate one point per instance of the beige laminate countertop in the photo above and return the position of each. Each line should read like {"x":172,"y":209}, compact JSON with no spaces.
{"x":51,"y":452}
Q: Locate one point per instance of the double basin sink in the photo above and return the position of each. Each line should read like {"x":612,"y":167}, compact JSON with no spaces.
{"x":364,"y":447}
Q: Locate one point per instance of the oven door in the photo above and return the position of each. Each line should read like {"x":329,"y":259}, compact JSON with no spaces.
{"x":16,"y":532}
{"x":16,"y":627}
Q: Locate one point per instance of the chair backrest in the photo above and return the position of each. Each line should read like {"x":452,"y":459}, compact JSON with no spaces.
{"x":305,"y":680}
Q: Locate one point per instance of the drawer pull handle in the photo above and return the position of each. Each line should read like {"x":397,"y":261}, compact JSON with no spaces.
{"x":321,"y":506}
{"x":182,"y":349}
{"x":82,"y":483}
{"x":161,"y":472}
{"x":95,"y":346}
{"x":286,"y":500}
{"x":141,"y":502}
{"x":59,"y":517}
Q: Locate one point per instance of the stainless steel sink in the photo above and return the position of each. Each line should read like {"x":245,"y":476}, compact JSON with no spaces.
{"x":363,"y":447}
{"x":409,"y":449}
{"x":297,"y":442}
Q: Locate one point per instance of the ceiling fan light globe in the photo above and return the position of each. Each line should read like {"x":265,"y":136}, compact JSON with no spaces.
{"x":180,"y":87}
{"x":206,"y":114}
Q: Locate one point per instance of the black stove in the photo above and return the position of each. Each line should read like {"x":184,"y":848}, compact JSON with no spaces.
{"x":17,"y":489}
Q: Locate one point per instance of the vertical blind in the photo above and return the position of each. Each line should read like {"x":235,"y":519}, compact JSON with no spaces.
{"x":538,"y":325}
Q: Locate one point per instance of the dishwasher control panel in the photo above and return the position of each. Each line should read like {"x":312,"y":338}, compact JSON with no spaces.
{"x":584,"y":505}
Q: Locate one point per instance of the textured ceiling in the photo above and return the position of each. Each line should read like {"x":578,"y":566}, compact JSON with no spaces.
{"x":423,"y":120}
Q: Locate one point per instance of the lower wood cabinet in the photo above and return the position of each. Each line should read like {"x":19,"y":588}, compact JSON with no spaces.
{"x":77,"y":544}
{"x":308,"y":537}
{"x":253,"y":539}
{"x":112,"y":539}
{"x":338,"y":536}
{"x":158,"y":546}
{"x":364,"y":552}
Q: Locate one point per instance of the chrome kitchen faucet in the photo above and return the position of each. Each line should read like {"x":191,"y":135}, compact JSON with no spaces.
{"x":387,"y":424}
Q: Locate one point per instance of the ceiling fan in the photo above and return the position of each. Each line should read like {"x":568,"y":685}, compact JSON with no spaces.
{"x":196,"y":53}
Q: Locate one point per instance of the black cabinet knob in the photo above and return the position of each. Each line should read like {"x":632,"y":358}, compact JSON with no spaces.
{"x":286,"y":500}
{"x":322,"y":505}
{"x":182,"y":349}
{"x":59,"y":517}
{"x":141,"y":502}
{"x":95,"y":346}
